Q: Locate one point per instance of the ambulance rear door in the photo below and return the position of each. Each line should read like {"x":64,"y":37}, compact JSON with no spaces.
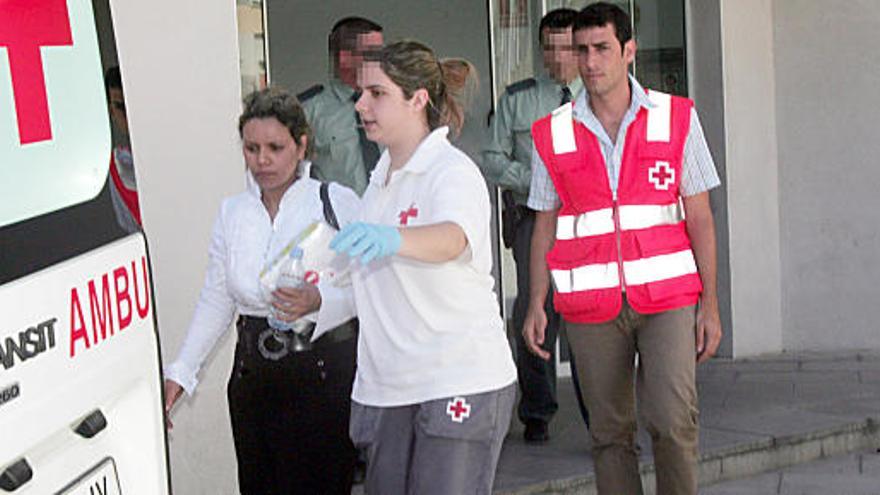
{"x":80,"y":385}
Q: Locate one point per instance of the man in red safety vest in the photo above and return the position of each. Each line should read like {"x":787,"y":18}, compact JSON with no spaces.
{"x":624,"y":229}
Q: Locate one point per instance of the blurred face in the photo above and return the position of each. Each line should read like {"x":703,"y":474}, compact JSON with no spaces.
{"x":601,"y":60}
{"x":385,"y":112}
{"x":558,"y":54}
{"x":350,"y":60}
{"x":117,"y":110}
{"x":271,"y":153}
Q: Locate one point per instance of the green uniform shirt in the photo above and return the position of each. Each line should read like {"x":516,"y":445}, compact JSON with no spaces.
{"x":508,"y":156}
{"x":336,"y":145}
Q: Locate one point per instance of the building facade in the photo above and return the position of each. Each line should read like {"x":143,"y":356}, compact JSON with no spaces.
{"x":786,"y":91}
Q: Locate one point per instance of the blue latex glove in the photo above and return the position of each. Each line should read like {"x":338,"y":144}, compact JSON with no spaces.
{"x":368,"y":240}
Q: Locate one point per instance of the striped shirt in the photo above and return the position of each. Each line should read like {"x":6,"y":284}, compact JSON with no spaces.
{"x":698,"y":168}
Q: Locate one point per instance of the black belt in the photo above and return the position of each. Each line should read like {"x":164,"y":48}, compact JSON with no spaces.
{"x":259,"y":339}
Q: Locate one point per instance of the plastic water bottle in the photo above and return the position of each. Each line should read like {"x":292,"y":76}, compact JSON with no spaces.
{"x":292,"y":276}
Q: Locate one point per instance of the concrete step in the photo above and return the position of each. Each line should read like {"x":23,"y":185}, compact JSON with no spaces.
{"x":739,"y":461}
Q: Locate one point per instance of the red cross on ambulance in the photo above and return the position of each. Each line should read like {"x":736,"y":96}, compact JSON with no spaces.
{"x":661,"y":175}
{"x":46,"y":24}
{"x":53,"y":111}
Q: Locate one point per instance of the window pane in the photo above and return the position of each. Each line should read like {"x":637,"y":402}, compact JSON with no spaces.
{"x":514,"y":31}
{"x":660,"y":59}
{"x":54,"y":131}
{"x":251,"y":45}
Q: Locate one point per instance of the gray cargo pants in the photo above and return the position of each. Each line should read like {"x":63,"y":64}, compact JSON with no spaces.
{"x":440,"y":447}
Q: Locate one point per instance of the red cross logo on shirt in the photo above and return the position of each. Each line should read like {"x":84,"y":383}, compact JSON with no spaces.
{"x":661,"y":175}
{"x":405,"y":215}
{"x":25,"y":27}
{"x":458,"y":409}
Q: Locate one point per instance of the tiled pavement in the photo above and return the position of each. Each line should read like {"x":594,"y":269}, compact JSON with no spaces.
{"x":756,"y":415}
{"x":848,"y":474}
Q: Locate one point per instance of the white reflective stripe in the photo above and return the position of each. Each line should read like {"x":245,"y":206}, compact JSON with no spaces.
{"x":588,"y":277}
{"x":600,"y":276}
{"x":561,"y":280}
{"x":605,"y":275}
{"x":565,"y":227}
{"x":596,"y":222}
{"x":634,"y":217}
{"x":659,"y":117}
{"x":562,"y":130}
{"x":661,"y":267}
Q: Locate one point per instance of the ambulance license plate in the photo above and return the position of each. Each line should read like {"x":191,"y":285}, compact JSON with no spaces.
{"x":100,"y":480}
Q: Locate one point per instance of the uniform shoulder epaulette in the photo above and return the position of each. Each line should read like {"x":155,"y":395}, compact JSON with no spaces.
{"x":521,"y":85}
{"x":310,"y":93}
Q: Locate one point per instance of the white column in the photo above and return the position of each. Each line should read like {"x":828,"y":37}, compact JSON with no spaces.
{"x":752,"y":175}
{"x":179,"y":63}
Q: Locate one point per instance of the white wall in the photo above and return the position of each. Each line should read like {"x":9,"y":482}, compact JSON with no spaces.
{"x":827,"y":73}
{"x":799,"y":85}
{"x":752,"y":175}
{"x":179,"y":61}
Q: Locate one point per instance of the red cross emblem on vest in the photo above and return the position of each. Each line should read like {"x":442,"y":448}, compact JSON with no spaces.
{"x":405,"y":215}
{"x":661,"y":175}
{"x":458,"y":409}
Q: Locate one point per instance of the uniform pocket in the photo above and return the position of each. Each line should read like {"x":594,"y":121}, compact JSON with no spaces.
{"x":522,"y":136}
{"x":579,"y":276}
{"x":345,"y":135}
{"x":664,"y":239}
{"x":463,"y":417}
{"x":667,"y":255}
{"x":581,"y":186}
{"x":321,"y":155}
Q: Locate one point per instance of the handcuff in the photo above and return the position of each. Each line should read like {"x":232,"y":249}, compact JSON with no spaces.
{"x":273,"y":344}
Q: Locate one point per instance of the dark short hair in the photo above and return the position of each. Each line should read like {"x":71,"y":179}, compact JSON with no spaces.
{"x":556,"y":19}
{"x":277,"y":103}
{"x":600,"y":14}
{"x":112,"y":80}
{"x":343,"y":35}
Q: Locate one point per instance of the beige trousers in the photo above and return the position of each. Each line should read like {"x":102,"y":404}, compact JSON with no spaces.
{"x":664,"y":384}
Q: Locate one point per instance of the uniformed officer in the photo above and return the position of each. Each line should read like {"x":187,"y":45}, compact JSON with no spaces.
{"x":507,"y":164}
{"x":342,"y":152}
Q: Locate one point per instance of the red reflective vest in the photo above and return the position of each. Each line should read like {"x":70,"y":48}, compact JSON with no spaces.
{"x":635,"y":239}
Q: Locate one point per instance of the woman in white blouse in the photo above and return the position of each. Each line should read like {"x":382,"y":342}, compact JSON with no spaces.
{"x":434,"y":391}
{"x":289,"y":406}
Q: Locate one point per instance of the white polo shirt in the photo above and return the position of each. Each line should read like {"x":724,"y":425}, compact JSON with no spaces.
{"x":429,"y":330}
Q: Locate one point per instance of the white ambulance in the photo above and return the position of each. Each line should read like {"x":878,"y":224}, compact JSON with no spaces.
{"x":80,"y":386}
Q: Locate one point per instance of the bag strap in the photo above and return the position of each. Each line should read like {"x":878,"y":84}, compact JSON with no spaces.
{"x":329,"y":214}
